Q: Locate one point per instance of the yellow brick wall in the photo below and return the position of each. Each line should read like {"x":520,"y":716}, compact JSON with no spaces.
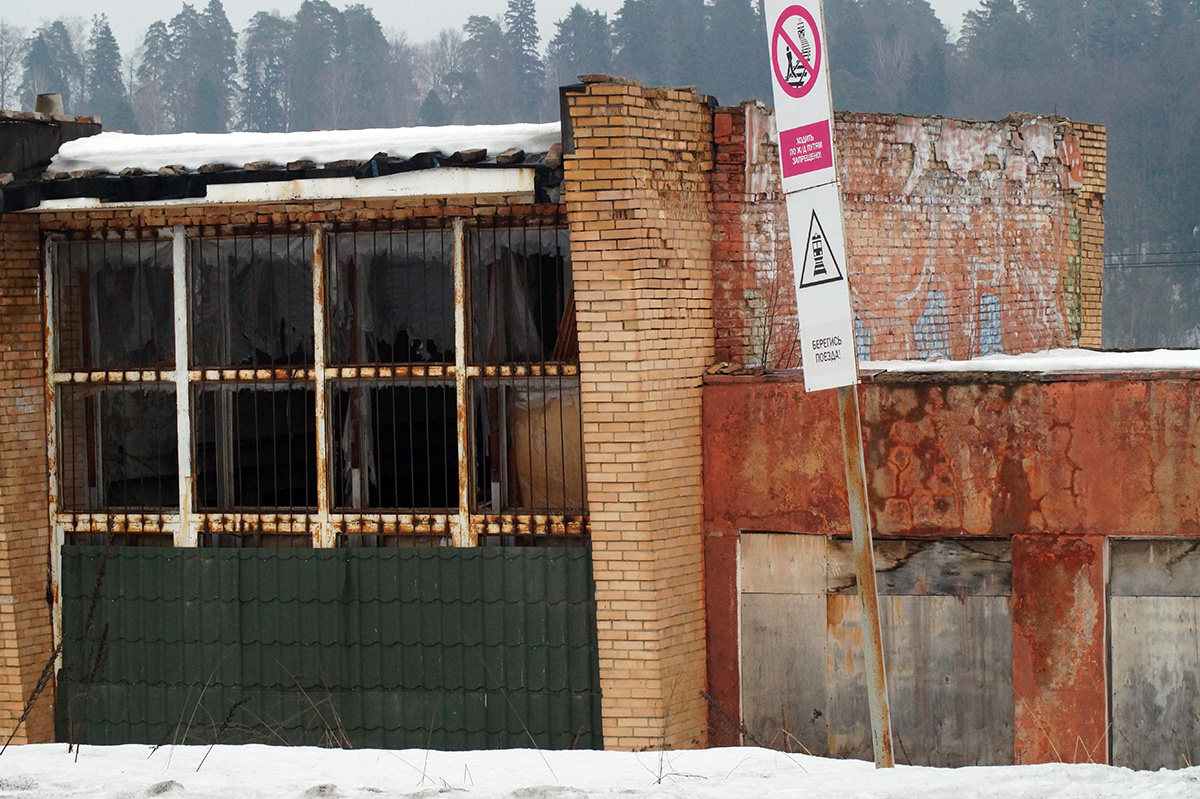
{"x":25,"y":635}
{"x":638,"y":206}
{"x":1093,"y":144}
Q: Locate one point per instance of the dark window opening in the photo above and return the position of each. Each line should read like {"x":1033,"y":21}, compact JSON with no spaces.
{"x":255,"y":447}
{"x":522,"y":308}
{"x":117,"y":447}
{"x":395,"y":446}
{"x":392,"y":297}
{"x":113,"y":303}
{"x":252,"y":301}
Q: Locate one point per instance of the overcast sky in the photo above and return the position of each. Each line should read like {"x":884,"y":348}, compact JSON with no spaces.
{"x":420,"y":20}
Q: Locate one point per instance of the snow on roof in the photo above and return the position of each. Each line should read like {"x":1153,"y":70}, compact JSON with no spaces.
{"x":112,"y":152}
{"x":1071,"y":361}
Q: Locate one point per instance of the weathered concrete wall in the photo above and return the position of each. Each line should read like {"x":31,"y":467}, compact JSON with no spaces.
{"x":1053,"y":466}
{"x":637,"y":194}
{"x":963,"y":238}
{"x":25,"y":633}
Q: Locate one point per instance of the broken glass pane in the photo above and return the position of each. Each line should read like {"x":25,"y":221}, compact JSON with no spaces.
{"x":252,"y":301}
{"x":522,"y":310}
{"x":528,"y":444}
{"x":113,"y":303}
{"x":391,"y":297}
{"x":395,"y":445}
{"x":117,"y":447}
{"x":255,"y":446}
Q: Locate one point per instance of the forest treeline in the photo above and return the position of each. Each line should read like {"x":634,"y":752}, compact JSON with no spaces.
{"x":1132,"y":65}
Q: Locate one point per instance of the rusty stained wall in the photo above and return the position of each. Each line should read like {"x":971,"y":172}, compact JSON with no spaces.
{"x":1053,"y":466}
{"x":963,"y":238}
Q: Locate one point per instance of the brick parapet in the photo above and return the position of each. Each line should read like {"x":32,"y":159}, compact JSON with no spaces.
{"x":638,"y":204}
{"x":26,"y":639}
{"x":963,"y":238}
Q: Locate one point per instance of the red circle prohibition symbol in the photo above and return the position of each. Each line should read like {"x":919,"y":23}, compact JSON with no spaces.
{"x":801,"y":70}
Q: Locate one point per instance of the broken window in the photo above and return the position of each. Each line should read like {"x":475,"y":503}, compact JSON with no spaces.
{"x":117,"y":447}
{"x":522,"y":310}
{"x":251,"y":301}
{"x":392,"y":297}
{"x":255,"y":446}
{"x":323,"y":399}
{"x":114,"y":305}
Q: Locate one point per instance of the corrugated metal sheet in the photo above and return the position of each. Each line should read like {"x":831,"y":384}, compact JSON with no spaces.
{"x":445,"y":648}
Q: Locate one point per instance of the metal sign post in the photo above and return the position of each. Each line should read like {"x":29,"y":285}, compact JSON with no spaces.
{"x":804,"y":118}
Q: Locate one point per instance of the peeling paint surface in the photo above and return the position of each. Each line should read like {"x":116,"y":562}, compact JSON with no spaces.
{"x":939,"y":212}
{"x":1055,"y":467}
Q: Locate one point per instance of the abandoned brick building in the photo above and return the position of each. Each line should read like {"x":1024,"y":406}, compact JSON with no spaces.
{"x":478,"y":437}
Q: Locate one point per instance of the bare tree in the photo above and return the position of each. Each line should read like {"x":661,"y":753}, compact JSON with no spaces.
{"x":440,"y":64}
{"x":12,"y":55}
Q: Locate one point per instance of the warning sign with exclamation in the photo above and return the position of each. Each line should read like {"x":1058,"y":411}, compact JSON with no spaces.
{"x":820,"y":259}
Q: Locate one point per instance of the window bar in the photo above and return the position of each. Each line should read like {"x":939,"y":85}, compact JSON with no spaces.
{"x":462,"y":525}
{"x":185,"y":536}
{"x":51,"y":357}
{"x":323,"y":535}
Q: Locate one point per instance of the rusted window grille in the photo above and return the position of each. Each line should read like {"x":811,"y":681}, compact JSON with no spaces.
{"x":328,"y":396}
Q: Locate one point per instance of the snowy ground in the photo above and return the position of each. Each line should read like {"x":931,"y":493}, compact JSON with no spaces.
{"x":182,"y":772}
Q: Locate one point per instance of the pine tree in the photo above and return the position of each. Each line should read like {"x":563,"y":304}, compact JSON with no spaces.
{"x":107,"y":97}
{"x":735,"y":65}
{"x":265,"y":73}
{"x":433,"y":110}
{"x":582,"y":45}
{"x":313,"y":90}
{"x":216,"y":71}
{"x":52,"y":64}
{"x":488,"y":94}
{"x":362,"y":64}
{"x":521,"y":35}
{"x":639,"y":40}
{"x":151,"y":94}
{"x":184,"y":56}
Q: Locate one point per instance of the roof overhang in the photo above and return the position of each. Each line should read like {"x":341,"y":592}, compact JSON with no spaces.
{"x":442,"y":182}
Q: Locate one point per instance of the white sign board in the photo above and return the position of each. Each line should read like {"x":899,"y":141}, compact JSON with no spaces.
{"x":822,"y":290}
{"x":803,"y":108}
{"x":804,"y":118}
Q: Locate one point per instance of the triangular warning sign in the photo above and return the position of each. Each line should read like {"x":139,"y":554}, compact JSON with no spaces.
{"x":820,"y":264}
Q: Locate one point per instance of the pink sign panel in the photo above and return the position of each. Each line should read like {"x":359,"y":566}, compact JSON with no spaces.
{"x":806,"y":148}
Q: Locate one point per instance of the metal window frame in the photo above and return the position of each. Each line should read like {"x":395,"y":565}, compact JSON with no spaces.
{"x":185,"y":524}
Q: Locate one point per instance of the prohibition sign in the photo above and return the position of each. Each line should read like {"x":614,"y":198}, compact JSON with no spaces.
{"x":797,"y":73}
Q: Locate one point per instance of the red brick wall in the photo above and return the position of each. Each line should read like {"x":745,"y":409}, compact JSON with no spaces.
{"x":25,"y":632}
{"x":963,"y":238}
{"x":1055,"y":466}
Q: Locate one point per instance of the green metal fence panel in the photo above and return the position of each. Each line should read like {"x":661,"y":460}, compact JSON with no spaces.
{"x":442,"y":648}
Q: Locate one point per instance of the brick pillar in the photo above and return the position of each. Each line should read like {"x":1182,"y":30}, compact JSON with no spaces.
{"x":25,"y":635}
{"x":1093,"y":144}
{"x":638,"y":205}
{"x":1060,"y":682}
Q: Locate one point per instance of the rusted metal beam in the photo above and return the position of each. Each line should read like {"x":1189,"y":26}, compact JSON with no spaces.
{"x":49,"y":315}
{"x":185,"y":535}
{"x":323,"y":535}
{"x":864,"y":561}
{"x":463,"y":537}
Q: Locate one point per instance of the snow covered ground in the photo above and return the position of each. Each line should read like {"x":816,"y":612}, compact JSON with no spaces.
{"x":186,"y":772}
